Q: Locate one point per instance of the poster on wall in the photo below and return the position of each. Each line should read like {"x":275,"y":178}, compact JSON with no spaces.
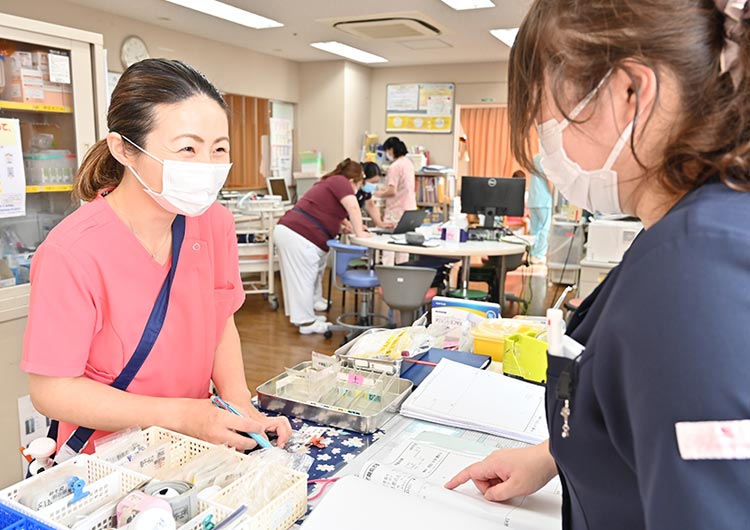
{"x":420,"y":107}
{"x":12,"y":176}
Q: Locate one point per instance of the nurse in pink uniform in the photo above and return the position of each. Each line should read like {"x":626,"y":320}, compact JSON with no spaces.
{"x":95,"y":279}
{"x":399,"y":191}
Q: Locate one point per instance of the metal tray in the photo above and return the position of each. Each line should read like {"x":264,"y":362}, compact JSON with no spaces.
{"x":366,"y":421}
{"x":386,"y":366}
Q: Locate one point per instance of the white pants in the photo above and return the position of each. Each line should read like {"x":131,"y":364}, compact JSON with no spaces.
{"x":302,"y":267}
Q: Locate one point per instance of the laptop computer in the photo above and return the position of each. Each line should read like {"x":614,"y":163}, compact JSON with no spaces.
{"x":410,"y":220}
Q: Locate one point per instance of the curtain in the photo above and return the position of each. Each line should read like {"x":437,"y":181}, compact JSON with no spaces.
{"x":488,"y":141}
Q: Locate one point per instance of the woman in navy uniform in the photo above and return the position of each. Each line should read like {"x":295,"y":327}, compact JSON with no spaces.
{"x":642,"y":107}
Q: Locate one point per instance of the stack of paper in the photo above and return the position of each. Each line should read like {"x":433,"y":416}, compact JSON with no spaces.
{"x":462,"y":396}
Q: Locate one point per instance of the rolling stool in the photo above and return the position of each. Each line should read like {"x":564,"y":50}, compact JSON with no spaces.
{"x":362,"y":283}
{"x":405,"y":289}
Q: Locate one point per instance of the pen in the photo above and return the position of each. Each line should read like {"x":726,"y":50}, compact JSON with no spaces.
{"x":228,"y":522}
{"x":425,"y":363}
{"x":216,"y":400}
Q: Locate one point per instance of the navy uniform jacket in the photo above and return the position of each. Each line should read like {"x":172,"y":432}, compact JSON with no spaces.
{"x":667,"y":340}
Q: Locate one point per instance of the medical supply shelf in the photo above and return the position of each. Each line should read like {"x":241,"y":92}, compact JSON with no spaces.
{"x":255,"y":221}
{"x":35,"y":107}
{"x":50,"y":188}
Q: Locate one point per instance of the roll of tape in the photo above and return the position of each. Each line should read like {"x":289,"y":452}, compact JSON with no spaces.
{"x":153,"y":519}
{"x":179,"y":495}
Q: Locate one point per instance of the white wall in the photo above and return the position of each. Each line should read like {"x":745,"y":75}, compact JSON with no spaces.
{"x":232,"y":69}
{"x":474,"y":82}
{"x":321,"y":110}
{"x":357,"y":79}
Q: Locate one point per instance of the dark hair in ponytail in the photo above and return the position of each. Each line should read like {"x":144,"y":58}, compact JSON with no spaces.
{"x":562,"y":42}
{"x":141,"y":88}
{"x":348,"y":168}
{"x":399,"y":147}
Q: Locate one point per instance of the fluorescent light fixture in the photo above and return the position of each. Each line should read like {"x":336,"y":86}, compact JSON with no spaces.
{"x":463,"y":5}
{"x":355,"y":54}
{"x":227,"y":12}
{"x":506,"y":36}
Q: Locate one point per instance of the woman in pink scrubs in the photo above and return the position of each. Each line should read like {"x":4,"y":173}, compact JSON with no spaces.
{"x":399,"y":191}
{"x":96,"y":277}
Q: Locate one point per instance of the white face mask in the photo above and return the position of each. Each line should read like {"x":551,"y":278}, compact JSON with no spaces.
{"x":188,"y":188}
{"x":595,"y":190}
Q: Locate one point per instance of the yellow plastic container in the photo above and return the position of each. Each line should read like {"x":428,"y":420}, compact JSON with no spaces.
{"x":526,"y":357}
{"x":489,"y":336}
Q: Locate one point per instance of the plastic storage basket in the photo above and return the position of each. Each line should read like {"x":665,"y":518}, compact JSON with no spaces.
{"x":11,"y":519}
{"x":105,"y":484}
{"x":286,"y":508}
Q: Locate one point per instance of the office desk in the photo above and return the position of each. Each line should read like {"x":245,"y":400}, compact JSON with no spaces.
{"x":463,"y":251}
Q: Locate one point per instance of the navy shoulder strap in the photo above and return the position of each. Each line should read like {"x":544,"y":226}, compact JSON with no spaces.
{"x":81,"y":436}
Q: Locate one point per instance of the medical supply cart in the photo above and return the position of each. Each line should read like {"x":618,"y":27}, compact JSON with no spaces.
{"x":52,"y":95}
{"x":255,"y":219}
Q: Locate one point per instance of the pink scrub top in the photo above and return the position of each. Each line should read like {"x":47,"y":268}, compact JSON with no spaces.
{"x":93,"y":286}
{"x":400,"y":175}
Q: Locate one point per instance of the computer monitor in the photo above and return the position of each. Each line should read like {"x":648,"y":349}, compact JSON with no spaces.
{"x":492,"y":197}
{"x":277,"y":186}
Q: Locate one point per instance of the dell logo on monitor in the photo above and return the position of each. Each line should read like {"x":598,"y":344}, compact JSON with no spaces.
{"x":492,"y":183}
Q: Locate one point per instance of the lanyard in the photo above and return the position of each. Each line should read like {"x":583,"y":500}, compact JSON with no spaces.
{"x":78,"y":440}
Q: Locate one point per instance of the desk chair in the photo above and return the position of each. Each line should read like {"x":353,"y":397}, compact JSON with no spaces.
{"x":489,"y":273}
{"x":405,"y":289}
{"x":362,"y":282}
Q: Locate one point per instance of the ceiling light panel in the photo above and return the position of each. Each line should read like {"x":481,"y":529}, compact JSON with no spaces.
{"x":463,"y":5}
{"x":343,"y":50}
{"x":506,"y":36}
{"x":224,"y":11}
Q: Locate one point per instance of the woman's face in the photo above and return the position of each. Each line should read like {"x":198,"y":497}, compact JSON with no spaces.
{"x":389,"y":154}
{"x":195,"y":130}
{"x":357,"y":185}
{"x":587,"y":143}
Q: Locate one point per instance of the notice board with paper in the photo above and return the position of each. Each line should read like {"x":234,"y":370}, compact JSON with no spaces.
{"x":12,"y":177}
{"x":420,"y":107}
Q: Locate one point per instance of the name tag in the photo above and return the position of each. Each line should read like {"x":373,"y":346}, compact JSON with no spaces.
{"x":714,"y":440}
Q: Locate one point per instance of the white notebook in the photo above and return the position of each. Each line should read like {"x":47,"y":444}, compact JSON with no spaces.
{"x":462,"y":396}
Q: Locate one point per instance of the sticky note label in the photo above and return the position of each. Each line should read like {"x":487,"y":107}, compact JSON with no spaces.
{"x":355,"y":379}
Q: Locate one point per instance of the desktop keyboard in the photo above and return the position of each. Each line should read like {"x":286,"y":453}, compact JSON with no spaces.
{"x":480,"y":233}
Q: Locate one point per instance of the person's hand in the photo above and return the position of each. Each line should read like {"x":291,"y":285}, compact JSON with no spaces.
{"x":364,"y":234}
{"x":203,"y":420}
{"x":509,"y":473}
{"x":347,"y":227}
{"x":387,"y":224}
{"x":279,"y":425}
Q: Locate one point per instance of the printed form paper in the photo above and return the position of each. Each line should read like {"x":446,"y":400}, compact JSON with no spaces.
{"x":12,"y":176}
{"x":421,"y":469}
{"x":462,"y":396}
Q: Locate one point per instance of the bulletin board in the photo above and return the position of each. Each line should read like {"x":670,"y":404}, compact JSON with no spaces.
{"x":420,"y":107}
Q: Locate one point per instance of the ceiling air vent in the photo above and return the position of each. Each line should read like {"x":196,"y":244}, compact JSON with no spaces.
{"x":388,"y":28}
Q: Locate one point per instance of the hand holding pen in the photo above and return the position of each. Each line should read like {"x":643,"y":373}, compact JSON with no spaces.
{"x":278,"y":425}
{"x":259,"y":439}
